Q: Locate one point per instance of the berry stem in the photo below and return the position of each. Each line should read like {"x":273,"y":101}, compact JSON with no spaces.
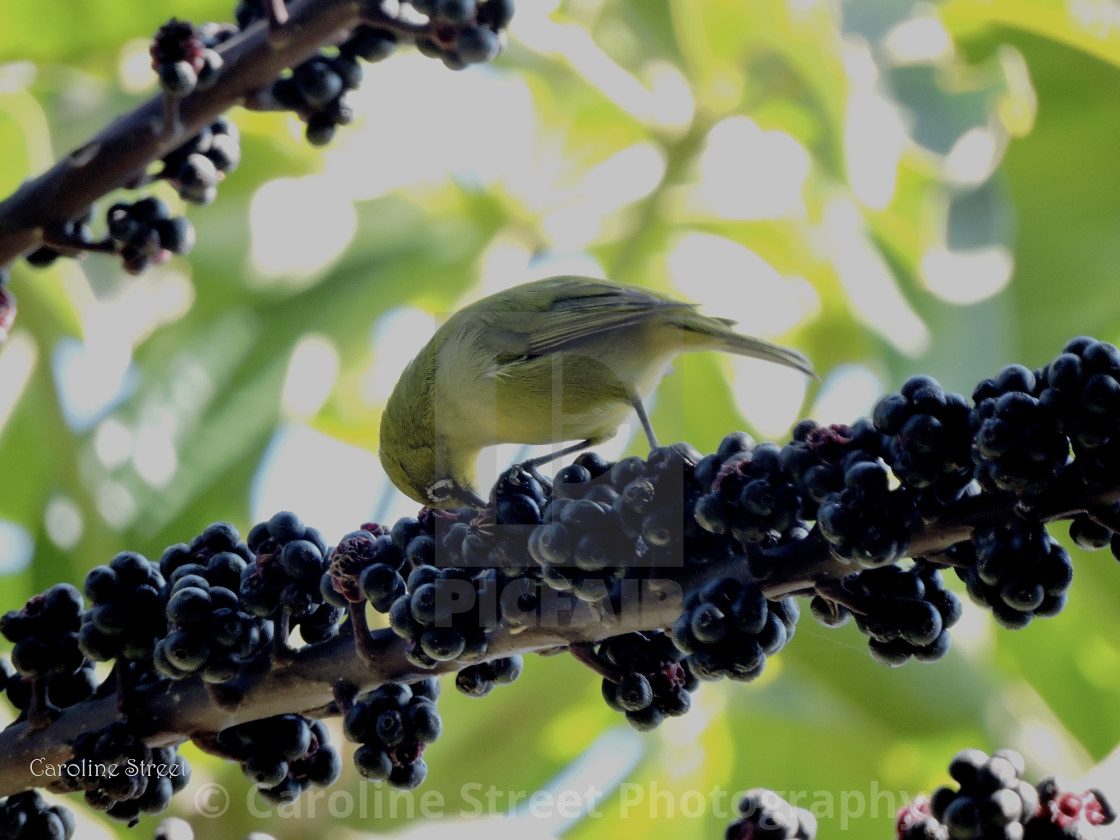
{"x":1109,"y":517}
{"x":381,"y":13}
{"x":171,"y":129}
{"x":834,"y":591}
{"x":208,"y":743}
{"x":344,"y":694}
{"x":55,"y":237}
{"x":946,"y":558}
{"x":281,"y":650}
{"x":41,"y":713}
{"x":126,"y":695}
{"x":585,"y":652}
{"x":363,"y":639}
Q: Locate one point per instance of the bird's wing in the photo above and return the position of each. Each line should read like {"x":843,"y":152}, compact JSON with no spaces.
{"x":586,"y":310}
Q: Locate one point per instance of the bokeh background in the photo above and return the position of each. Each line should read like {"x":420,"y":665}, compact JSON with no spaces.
{"x":891,"y":187}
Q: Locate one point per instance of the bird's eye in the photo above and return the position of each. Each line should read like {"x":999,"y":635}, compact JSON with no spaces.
{"x":441,"y":490}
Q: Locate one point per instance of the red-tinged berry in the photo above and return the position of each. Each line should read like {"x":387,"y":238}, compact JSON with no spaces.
{"x":177,"y":40}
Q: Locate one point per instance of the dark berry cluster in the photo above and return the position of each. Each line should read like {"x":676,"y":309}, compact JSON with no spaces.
{"x":746,"y":494}
{"x":182,"y":59}
{"x":607,"y":521}
{"x":814,"y":458}
{"x":763,"y":815}
{"x":1082,"y":388}
{"x":145,"y":233}
{"x":728,"y":628}
{"x":479,"y":680}
{"x":915,"y":822}
{"x":366,"y":565}
{"x":142,"y":234}
{"x":282,"y":755}
{"x":490,"y":550}
{"x":516,"y":503}
{"x":121,"y":775}
{"x":843,"y":471}
{"x":50,"y":670}
{"x":45,"y":633}
{"x":1062,"y":814}
{"x":867,"y":522}
{"x":461,"y":32}
{"x":370,"y":43}
{"x":27,"y":816}
{"x":458,"y":581}
{"x":317,"y":91}
{"x":992,"y":802}
{"x":465,"y":31}
{"x":443,"y":615}
{"x":208,"y":631}
{"x":649,"y":678}
{"x":1020,"y":572}
{"x":126,"y":614}
{"x":393,"y":725}
{"x":283,"y":581}
{"x":196,"y":167}
{"x":1016,"y":444}
{"x":580,"y":547}
{"x":185,"y":58}
{"x":74,"y":230}
{"x":217,"y":554}
{"x":928,"y":440}
{"x":905,"y":613}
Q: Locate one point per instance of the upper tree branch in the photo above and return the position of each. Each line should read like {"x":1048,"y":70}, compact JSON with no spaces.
{"x":120,"y":154}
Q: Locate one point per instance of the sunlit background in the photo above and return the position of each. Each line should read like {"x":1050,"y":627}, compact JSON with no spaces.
{"x":890,"y":187}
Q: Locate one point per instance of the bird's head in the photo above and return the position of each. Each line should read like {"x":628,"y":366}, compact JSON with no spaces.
{"x":425,"y":472}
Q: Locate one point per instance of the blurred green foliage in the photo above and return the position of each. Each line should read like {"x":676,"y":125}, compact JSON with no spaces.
{"x":891,"y":188}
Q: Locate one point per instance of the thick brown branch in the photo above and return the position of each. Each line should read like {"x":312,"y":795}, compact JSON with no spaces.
{"x":309,"y":682}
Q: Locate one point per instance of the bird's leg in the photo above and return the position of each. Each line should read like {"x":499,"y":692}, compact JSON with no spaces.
{"x":639,"y":407}
{"x":531,"y":465}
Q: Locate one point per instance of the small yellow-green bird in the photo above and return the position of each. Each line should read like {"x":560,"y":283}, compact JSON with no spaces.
{"x":561,"y":359}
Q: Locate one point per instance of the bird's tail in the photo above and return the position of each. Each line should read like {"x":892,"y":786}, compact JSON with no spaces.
{"x":758,"y":348}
